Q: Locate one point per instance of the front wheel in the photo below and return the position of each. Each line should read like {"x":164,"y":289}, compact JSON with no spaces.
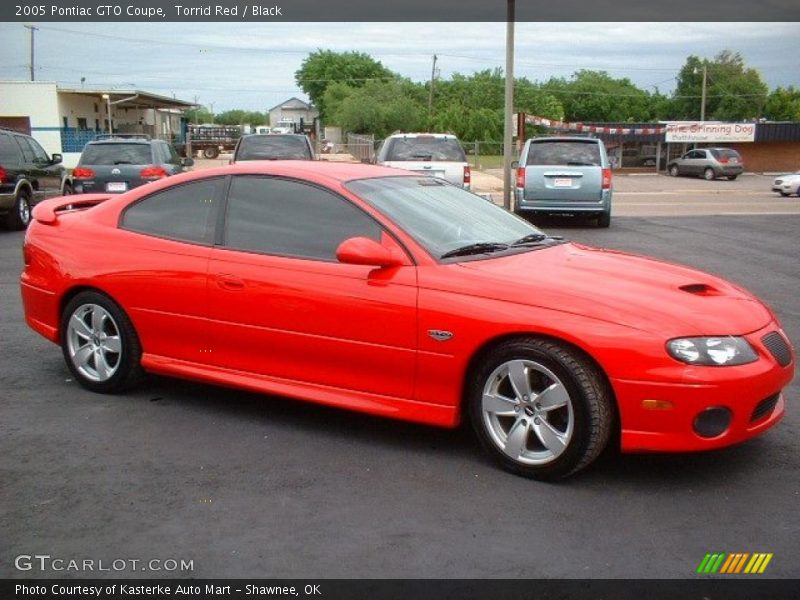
{"x":99,"y":343}
{"x":709,"y":174}
{"x":673,"y":170}
{"x":732,"y":177}
{"x":210,"y":152}
{"x":539,"y":408}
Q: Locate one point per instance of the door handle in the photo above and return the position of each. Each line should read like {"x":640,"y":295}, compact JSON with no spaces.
{"x":229,"y":282}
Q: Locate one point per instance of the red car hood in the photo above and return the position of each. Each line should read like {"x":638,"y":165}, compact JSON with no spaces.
{"x":613,"y":286}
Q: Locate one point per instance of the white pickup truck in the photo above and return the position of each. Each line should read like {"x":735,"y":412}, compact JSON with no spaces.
{"x":434,"y":154}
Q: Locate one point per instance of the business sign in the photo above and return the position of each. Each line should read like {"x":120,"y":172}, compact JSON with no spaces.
{"x":699,"y":131}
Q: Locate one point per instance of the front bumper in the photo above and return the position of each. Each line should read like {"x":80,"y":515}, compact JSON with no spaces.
{"x":685,"y":392}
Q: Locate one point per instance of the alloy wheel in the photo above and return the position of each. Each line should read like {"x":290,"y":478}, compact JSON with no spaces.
{"x":93,"y":342}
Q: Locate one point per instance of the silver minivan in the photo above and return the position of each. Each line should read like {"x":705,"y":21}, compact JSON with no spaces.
{"x":568,"y":175}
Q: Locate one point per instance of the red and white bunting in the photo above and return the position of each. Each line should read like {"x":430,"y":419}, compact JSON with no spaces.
{"x":580,"y":127}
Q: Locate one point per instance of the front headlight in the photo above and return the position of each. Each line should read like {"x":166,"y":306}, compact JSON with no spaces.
{"x":712,"y":351}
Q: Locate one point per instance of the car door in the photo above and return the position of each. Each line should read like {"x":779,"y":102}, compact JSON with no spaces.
{"x":281,"y":305}
{"x":50,"y":174}
{"x":30,"y":170}
{"x":165,"y":240}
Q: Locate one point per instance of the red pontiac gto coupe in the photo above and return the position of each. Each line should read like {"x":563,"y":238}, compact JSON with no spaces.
{"x":403,"y":296}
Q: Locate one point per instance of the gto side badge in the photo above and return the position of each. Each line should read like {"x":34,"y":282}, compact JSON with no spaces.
{"x":440,"y":335}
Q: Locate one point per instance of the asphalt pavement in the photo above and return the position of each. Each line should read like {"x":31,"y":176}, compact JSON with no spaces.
{"x":253,"y":486}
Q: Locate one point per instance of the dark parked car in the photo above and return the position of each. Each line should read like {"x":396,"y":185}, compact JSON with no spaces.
{"x":27,"y":176}
{"x":118,"y":163}
{"x":708,"y":163}
{"x":258,"y":146}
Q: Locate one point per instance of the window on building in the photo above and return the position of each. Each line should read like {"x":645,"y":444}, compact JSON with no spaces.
{"x":82,"y":123}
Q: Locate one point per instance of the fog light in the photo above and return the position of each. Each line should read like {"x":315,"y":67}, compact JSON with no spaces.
{"x":712,"y":422}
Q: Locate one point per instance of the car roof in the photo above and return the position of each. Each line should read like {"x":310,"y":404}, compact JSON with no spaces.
{"x":332,"y":172}
{"x":123,"y":141}
{"x":563,"y":138}
{"x":443,"y":136}
{"x":273,"y":135}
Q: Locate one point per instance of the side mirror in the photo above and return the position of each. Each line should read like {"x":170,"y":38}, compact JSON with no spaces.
{"x":187,"y":162}
{"x":364,"y":251}
{"x":515,"y":164}
{"x":56,"y":159}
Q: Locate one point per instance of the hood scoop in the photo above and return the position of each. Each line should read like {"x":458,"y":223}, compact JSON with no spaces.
{"x":700,"y":289}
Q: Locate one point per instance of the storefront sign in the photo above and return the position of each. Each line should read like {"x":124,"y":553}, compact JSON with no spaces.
{"x":696,"y":131}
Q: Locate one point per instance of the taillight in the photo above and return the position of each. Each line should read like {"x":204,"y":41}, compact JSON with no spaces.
{"x":606,"y":179}
{"x":152,"y":173}
{"x":3,"y":175}
{"x":82,"y":173}
{"x":467,"y":175}
{"x":520,"y":177}
{"x":723,"y":161}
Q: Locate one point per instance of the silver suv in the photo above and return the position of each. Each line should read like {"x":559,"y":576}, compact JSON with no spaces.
{"x":708,"y":163}
{"x":435,"y":154}
{"x":564,"y":175}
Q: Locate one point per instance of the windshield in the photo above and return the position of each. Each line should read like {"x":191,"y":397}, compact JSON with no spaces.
{"x":273,"y":147}
{"x":575,"y":153}
{"x":442,"y":217}
{"x":425,"y":148}
{"x":116,"y":154}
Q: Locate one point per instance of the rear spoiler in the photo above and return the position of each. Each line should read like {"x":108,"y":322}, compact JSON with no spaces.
{"x":46,"y":212}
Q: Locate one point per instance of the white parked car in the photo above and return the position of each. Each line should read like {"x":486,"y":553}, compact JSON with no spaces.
{"x":434,"y":154}
{"x":787,"y":184}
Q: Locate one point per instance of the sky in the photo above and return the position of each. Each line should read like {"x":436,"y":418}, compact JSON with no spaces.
{"x":251,"y":65}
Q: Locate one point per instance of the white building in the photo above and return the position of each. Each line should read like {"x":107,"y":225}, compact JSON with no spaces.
{"x":290,"y":112}
{"x":64,"y":119}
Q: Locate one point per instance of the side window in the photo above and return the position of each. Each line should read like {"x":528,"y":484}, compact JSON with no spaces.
{"x":27,"y":153}
{"x":700,"y":153}
{"x":9,"y":151}
{"x":289,"y":218}
{"x":38,"y":152}
{"x":185,"y":212}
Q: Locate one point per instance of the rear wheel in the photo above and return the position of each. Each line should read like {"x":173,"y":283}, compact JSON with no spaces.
{"x":709,"y":174}
{"x":732,"y":177}
{"x":99,"y":343}
{"x":604,"y":220}
{"x":67,"y":189}
{"x":673,"y":170}
{"x":210,"y":152}
{"x":539,"y":408}
{"x":19,"y":216}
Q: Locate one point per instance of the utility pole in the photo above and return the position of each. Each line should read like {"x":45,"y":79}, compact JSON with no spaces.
{"x":196,"y":109}
{"x":508,"y":132}
{"x":430,"y":92}
{"x":703,"y":96}
{"x":33,"y":30}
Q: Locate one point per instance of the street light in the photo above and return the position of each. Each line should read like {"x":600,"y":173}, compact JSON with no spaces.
{"x":107,"y":98}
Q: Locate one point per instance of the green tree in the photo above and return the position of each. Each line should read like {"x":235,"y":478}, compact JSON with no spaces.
{"x":199,"y":115}
{"x":734,"y":92}
{"x":783,"y":104}
{"x":378,"y":107}
{"x":242,"y":117}
{"x":596,"y":96}
{"x":324,"y":67}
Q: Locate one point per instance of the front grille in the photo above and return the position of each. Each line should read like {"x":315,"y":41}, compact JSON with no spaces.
{"x":764,"y":408}
{"x":778,"y":347}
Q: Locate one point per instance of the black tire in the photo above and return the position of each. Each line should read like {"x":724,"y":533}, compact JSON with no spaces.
{"x":210,"y":152}
{"x":19,"y":217}
{"x":604,"y":219}
{"x":732,"y":177}
{"x":786,"y":194}
{"x":128,"y":371}
{"x":709,"y":174}
{"x":589,"y":396}
{"x":673,"y":170}
{"x":67,"y":189}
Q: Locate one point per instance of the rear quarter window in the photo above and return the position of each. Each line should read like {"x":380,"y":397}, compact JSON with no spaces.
{"x":273,"y":147}
{"x":724,"y":153}
{"x":569,"y":153}
{"x":9,"y":153}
